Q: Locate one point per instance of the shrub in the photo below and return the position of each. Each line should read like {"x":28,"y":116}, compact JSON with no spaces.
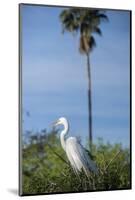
{"x":46,"y":168}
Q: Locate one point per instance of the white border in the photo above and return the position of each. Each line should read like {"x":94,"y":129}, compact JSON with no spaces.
{"x":9,"y":98}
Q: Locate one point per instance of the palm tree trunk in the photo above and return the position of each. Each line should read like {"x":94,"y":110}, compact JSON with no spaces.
{"x":89,"y":100}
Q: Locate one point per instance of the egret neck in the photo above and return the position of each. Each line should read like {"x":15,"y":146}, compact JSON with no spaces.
{"x":63,"y":133}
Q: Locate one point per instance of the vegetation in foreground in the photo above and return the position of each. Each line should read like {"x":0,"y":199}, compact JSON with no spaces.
{"x":46,"y":168}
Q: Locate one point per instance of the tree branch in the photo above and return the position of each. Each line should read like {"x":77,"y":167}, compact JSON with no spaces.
{"x":58,"y":154}
{"x":116,"y":155}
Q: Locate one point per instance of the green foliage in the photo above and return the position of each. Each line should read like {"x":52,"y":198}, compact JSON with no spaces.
{"x":46,"y":168}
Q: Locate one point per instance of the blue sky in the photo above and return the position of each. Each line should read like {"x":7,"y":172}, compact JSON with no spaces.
{"x":54,"y":76}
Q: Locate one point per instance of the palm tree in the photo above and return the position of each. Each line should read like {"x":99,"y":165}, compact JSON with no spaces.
{"x":86,"y":22}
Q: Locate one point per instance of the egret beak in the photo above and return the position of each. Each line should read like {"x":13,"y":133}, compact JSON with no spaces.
{"x":55,"y":123}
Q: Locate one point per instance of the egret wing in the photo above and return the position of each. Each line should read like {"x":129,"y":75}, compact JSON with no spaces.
{"x":78,"y":157}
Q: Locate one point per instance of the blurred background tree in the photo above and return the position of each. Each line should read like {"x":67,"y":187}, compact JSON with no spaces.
{"x":86,"y":22}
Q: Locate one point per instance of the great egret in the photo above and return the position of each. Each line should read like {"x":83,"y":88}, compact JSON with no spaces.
{"x":76,"y":153}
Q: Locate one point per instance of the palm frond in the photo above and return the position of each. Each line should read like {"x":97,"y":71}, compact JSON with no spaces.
{"x":98,"y":31}
{"x":103,"y":17}
{"x":69,"y":21}
{"x":84,"y":21}
{"x":92,"y":43}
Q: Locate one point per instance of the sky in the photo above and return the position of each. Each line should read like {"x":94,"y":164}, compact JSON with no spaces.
{"x":54,"y":75}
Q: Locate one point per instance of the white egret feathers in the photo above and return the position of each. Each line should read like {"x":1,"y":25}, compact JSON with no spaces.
{"x":77,"y":155}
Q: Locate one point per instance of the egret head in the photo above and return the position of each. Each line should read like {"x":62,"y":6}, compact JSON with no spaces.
{"x":61,"y":121}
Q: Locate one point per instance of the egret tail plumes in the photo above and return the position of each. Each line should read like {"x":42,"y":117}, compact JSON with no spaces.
{"x":76,"y":153}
